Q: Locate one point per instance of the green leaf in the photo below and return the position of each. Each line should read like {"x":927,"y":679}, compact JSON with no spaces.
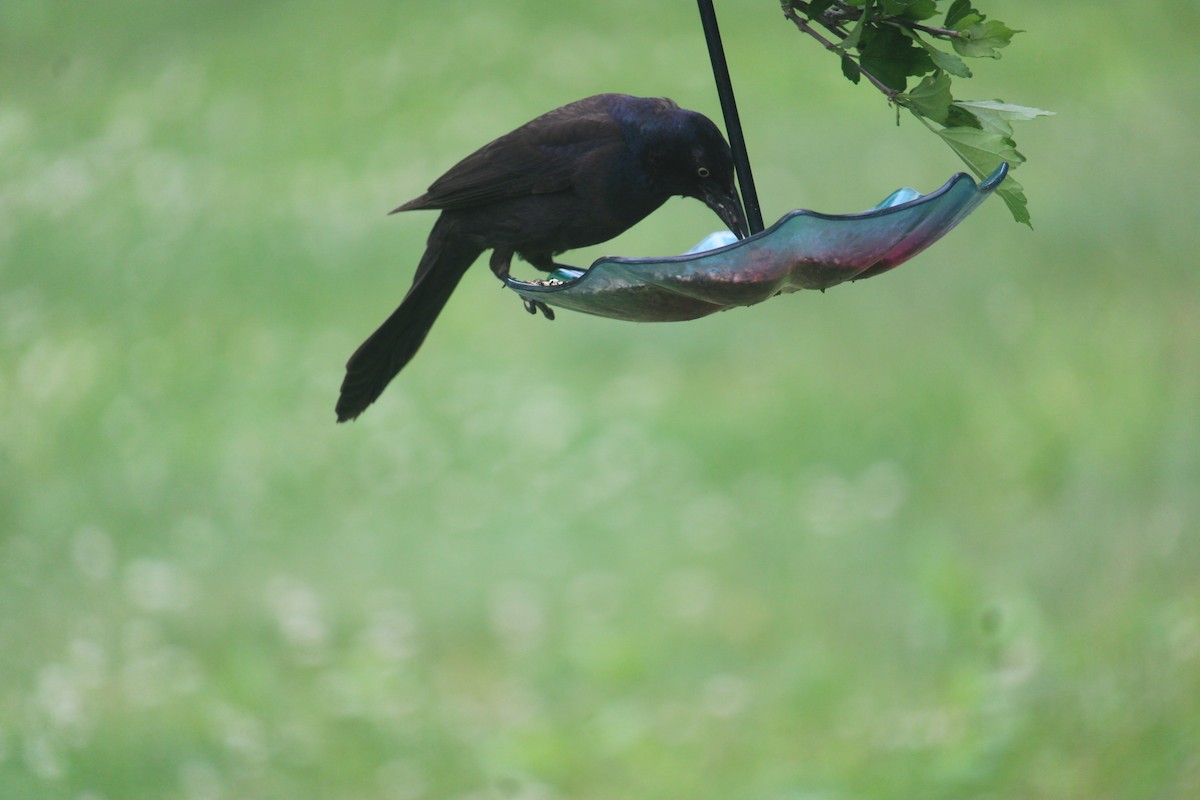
{"x":947,"y":62}
{"x":958,"y":10}
{"x":966,"y":22}
{"x":855,"y":36}
{"x":960,"y":117}
{"x":1013,"y":195}
{"x":915,"y":10}
{"x":892,"y":57}
{"x":930,"y":98}
{"x":818,"y":7}
{"x":983,"y":39}
{"x":997,"y":116}
{"x":983,"y":151}
{"x":850,"y":69}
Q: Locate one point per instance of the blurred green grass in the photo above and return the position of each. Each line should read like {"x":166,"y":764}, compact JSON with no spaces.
{"x":932,"y":535}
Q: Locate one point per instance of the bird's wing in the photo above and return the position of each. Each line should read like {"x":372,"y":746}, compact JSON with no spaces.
{"x":537,"y":158}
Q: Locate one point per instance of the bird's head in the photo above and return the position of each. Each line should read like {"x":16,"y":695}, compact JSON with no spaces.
{"x":693,"y":160}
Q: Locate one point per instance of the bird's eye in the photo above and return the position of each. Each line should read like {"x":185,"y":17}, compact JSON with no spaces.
{"x":702,"y":172}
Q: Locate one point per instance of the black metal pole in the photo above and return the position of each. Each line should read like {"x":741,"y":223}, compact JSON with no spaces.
{"x":741,"y":161}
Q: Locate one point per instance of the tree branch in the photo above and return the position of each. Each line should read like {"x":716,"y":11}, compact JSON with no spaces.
{"x":939,"y":33}
{"x":840,"y":13}
{"x":789,"y":11}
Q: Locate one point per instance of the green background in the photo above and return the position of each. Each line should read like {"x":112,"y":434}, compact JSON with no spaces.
{"x":933,"y":535}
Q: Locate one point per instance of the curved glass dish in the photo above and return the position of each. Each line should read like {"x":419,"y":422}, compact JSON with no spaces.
{"x":803,"y":250}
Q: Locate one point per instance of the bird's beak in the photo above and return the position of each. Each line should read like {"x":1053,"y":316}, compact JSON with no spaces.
{"x":729,"y":209}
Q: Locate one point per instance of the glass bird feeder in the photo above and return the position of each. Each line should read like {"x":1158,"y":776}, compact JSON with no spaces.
{"x":803,"y":250}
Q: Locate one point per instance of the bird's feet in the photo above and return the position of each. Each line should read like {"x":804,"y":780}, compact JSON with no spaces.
{"x":534,"y":306}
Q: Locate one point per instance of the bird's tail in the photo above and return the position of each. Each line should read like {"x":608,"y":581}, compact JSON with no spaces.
{"x":388,"y":349}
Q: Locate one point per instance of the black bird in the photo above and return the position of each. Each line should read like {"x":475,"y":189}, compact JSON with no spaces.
{"x":575,"y":176}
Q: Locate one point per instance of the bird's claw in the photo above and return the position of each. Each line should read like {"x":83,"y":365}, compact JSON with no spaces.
{"x":534,"y":306}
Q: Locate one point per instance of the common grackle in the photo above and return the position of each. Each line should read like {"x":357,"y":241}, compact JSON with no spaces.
{"x":575,"y":176}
